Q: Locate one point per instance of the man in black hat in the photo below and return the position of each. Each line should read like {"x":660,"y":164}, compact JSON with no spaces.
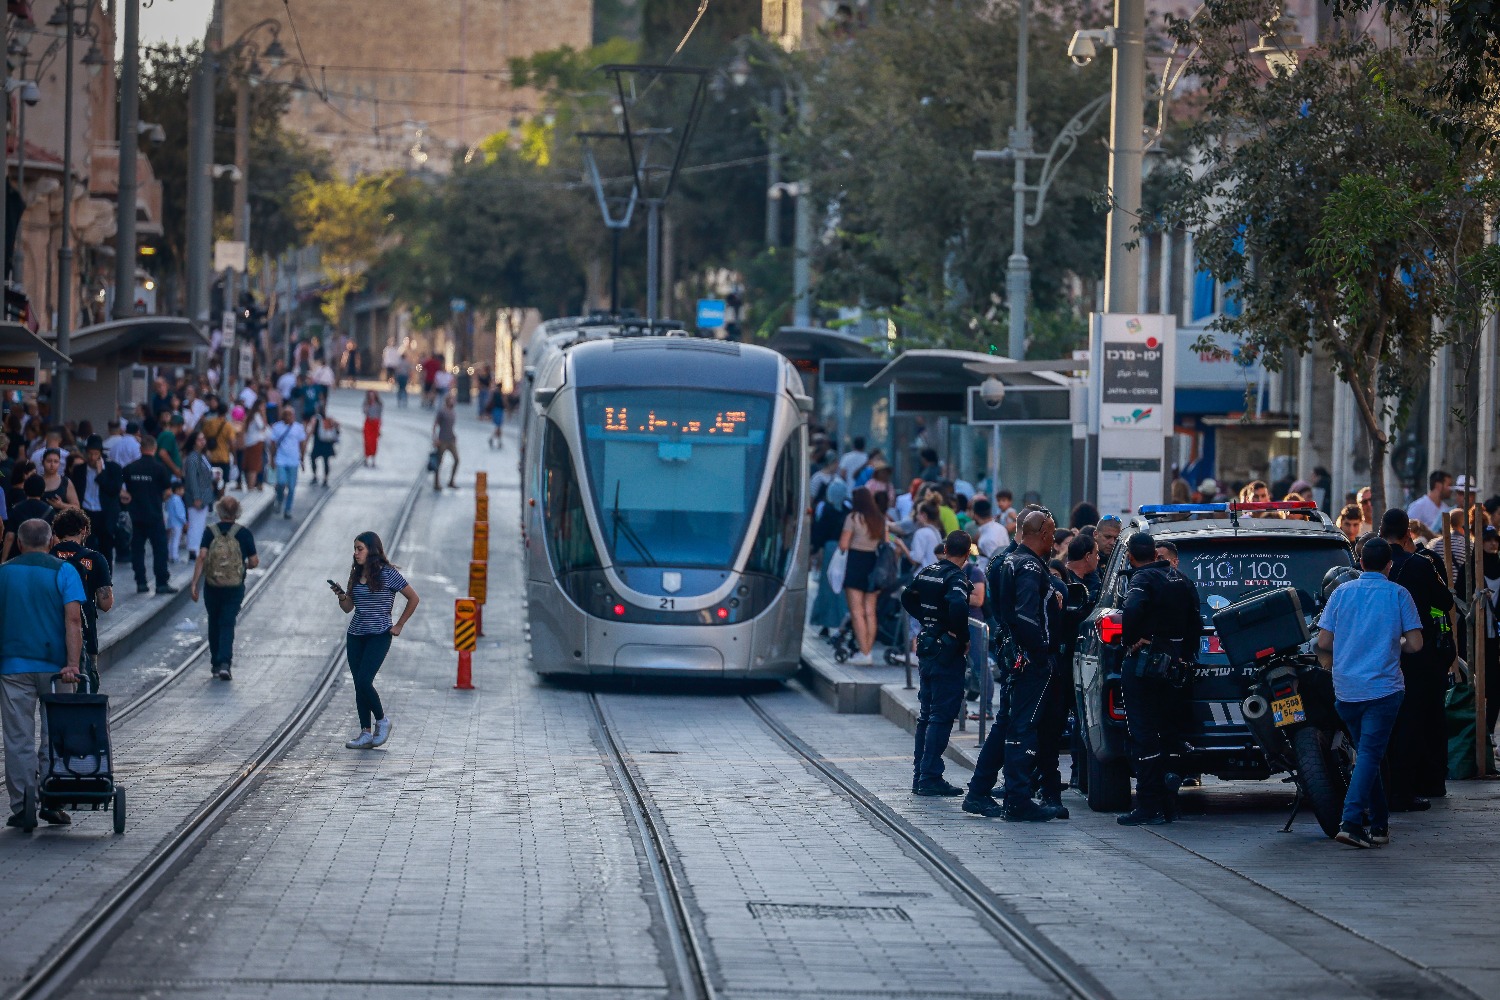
{"x":98,"y":482}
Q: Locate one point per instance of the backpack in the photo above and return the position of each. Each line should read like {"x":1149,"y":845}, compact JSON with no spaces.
{"x":225,"y":566}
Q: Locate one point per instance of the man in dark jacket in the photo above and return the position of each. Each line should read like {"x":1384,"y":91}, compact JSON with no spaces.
{"x":98,"y":483}
{"x":147,"y":484}
{"x":938,"y":598}
{"x":1024,"y":603}
{"x":1418,"y":753}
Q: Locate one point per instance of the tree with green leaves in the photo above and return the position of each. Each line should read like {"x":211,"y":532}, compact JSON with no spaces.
{"x":347,"y":222}
{"x":914,"y":224}
{"x":276,"y":155}
{"x":1341,"y":217}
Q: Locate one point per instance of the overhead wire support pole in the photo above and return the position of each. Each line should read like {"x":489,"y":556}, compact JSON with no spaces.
{"x":130,"y":98}
{"x":655,"y":181}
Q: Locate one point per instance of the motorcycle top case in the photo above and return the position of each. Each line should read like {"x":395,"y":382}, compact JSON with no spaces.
{"x":1259,"y":627}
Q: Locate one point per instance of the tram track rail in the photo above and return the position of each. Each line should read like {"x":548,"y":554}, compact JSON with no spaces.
{"x":73,"y":957}
{"x":689,"y":956}
{"x":145,"y":697}
{"x":1025,"y":940}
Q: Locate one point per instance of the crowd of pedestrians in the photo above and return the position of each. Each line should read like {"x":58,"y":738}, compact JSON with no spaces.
{"x":1392,"y":640}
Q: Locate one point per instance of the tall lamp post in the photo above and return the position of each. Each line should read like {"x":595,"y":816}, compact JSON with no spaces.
{"x":130,"y":103}
{"x":1020,"y":150}
{"x":62,"y":18}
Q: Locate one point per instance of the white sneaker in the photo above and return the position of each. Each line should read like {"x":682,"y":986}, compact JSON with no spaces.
{"x":363,"y":741}
{"x":382,"y":731}
{"x":861,"y":659}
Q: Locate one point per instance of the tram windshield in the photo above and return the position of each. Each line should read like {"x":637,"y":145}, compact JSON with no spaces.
{"x":674,"y":472}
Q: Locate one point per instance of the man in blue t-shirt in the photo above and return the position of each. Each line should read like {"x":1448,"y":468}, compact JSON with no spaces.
{"x":1368,"y":623}
{"x":41,"y":634}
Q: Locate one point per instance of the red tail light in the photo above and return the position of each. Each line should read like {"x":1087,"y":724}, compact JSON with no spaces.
{"x":1111,"y":627}
{"x":618,"y":609}
{"x":1114,"y":704}
{"x":722,"y":613}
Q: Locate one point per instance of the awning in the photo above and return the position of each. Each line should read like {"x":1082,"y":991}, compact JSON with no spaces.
{"x":108,"y":341}
{"x":813,"y":343}
{"x":933,"y":368}
{"x":16,"y":338}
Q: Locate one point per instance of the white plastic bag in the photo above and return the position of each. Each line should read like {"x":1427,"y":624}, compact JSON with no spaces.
{"x":834,"y":575}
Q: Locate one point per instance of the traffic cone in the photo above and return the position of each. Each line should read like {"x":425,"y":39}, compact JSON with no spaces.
{"x":465,"y":672}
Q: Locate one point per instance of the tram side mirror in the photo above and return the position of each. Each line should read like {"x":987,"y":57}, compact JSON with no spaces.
{"x":543,"y":397}
{"x":804,"y":403}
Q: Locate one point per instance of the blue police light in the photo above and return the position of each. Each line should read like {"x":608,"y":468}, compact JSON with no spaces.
{"x":1182,"y":508}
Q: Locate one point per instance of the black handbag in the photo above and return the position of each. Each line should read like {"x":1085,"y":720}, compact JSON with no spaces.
{"x":432,"y":460}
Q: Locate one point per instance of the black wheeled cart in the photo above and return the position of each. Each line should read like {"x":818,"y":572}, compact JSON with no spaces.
{"x":76,"y":762}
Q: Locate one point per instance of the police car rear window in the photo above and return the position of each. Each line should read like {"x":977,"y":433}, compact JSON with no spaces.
{"x":1229,"y":570}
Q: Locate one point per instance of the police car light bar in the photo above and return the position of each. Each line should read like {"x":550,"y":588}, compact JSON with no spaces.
{"x":1275,"y":505}
{"x":1183,"y":508}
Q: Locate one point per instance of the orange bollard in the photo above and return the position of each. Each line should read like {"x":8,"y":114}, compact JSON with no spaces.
{"x":465,"y":630}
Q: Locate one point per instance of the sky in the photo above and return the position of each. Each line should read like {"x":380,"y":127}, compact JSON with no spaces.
{"x":174,"y":21}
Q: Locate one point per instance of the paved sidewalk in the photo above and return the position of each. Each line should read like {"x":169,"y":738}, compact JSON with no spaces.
{"x":179,"y":749}
{"x":481,"y":851}
{"x":1147,"y":917}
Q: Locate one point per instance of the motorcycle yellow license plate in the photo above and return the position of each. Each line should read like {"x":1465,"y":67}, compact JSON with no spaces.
{"x":1287,"y":711}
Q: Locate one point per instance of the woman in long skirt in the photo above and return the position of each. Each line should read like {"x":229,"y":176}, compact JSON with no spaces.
{"x":373,"y":409}
{"x":829,"y":607}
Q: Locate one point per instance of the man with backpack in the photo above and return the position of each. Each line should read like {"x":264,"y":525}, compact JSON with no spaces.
{"x":225,"y":553}
{"x":71,"y":529}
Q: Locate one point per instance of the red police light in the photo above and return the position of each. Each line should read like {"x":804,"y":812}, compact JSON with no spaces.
{"x":618,"y":609}
{"x":1111,"y":627}
{"x":722,"y":613}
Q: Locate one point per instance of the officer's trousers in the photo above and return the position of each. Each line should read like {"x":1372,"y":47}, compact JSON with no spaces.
{"x":1054,"y":720}
{"x":1418,"y":753}
{"x":1147,"y":701}
{"x":940,"y":696}
{"x":1014,"y":739}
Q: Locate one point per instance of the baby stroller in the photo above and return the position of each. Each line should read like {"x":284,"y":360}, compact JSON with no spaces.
{"x":76,"y":761}
{"x":890,"y":623}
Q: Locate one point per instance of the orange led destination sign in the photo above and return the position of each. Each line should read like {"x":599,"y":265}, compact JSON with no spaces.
{"x":617,"y":419}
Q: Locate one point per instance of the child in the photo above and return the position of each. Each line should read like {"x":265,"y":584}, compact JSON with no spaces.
{"x":177,"y":523}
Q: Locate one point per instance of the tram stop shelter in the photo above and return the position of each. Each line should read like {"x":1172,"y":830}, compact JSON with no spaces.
{"x":112,"y":361}
{"x":834,"y":366}
{"x":22,"y":356}
{"x":1025,"y":435}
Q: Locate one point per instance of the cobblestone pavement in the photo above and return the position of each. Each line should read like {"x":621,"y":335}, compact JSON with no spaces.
{"x":481,"y":851}
{"x":182,"y":746}
{"x":1262,"y":913}
{"x":488,"y":848}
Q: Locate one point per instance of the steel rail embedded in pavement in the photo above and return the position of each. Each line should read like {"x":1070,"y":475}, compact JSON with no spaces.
{"x":1030,"y":943}
{"x":72,"y":958}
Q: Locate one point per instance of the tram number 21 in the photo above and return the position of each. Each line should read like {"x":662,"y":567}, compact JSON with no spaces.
{"x":668,"y":603}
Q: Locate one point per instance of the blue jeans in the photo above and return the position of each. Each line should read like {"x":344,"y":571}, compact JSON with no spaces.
{"x":286,"y":485}
{"x":1370,"y":723}
{"x":366,"y":653}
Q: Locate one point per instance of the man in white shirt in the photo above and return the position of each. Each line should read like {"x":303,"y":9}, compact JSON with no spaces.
{"x":989,"y":534}
{"x":287,"y":440}
{"x":286,"y":383}
{"x":127,"y":447}
{"x":928,"y":536}
{"x":390,"y":358}
{"x":854,"y":459}
{"x":1432,"y":505}
{"x":193,"y":409}
{"x":53,"y":439}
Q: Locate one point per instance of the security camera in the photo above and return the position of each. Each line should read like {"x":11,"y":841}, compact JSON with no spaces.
{"x":1085,"y":43}
{"x":1081,"y":49}
{"x":30,"y":94}
{"x":992,"y":391}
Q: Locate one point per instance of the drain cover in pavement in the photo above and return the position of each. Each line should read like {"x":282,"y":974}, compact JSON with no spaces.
{"x":820,"y":911}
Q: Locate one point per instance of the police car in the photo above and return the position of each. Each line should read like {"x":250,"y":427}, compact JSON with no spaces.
{"x":1230,"y":551}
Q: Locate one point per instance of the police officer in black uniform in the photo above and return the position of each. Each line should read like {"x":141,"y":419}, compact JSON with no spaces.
{"x":938,"y":598}
{"x":1162,"y":625}
{"x":1025,"y":605}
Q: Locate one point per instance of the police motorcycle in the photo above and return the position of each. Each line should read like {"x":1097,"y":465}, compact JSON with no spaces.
{"x":1289,"y":699}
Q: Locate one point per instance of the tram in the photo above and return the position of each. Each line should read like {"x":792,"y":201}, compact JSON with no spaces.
{"x":663,"y":500}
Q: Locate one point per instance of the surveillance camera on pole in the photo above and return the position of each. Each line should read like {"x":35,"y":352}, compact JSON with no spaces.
{"x":1085,"y":44}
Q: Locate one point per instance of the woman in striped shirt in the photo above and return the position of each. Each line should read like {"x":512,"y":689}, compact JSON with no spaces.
{"x":371,"y":596}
